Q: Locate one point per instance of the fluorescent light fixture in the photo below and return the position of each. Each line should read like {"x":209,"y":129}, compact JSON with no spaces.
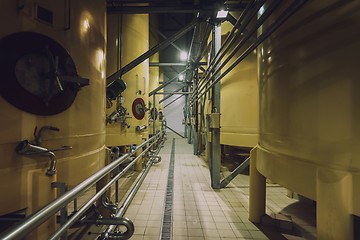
{"x":183,"y":56}
{"x":222,"y":14}
{"x":181,"y":77}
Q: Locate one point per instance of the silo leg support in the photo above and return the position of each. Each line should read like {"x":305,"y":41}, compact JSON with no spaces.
{"x":333,"y":196}
{"x":257,"y":191}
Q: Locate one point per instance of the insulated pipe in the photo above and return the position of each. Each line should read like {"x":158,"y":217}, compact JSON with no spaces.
{"x":284,"y":16}
{"x":151,"y":52}
{"x":35,"y":220}
{"x":230,"y":38}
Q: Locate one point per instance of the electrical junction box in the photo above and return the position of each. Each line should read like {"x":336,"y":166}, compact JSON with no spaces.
{"x":214,"y":120}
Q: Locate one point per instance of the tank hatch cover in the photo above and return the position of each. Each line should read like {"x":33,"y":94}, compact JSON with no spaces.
{"x":138,"y":108}
{"x":37,"y":74}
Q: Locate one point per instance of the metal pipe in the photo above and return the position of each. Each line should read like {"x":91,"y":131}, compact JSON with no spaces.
{"x":88,"y":204}
{"x":230,"y":38}
{"x":164,"y":84}
{"x":163,"y":93}
{"x":283,"y":17}
{"x":151,"y":52}
{"x":226,"y":48}
{"x":130,"y":197}
{"x":25,"y":148}
{"x":35,"y":220}
{"x":171,"y":94}
{"x":247,"y":36}
{"x":175,"y":132}
{"x":173,"y":101}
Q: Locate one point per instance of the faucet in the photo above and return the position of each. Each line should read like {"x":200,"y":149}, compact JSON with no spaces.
{"x":26,"y":148}
{"x":34,"y":148}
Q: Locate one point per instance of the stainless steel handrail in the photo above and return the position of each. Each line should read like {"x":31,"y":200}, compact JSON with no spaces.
{"x":33,"y":221}
{"x":125,"y":205}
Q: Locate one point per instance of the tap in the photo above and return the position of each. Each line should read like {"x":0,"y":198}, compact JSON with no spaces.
{"x":26,"y":148}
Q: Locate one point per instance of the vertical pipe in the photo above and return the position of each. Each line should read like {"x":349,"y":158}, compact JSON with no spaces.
{"x":215,"y":156}
{"x":257,"y":190}
{"x":196,"y":122}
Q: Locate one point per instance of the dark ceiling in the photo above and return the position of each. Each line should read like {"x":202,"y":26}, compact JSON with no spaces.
{"x":168,"y":17}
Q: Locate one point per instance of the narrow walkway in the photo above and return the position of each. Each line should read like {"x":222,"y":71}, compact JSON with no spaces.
{"x":198,"y":211}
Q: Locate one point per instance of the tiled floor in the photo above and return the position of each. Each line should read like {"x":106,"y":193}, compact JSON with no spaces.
{"x":199,"y":212}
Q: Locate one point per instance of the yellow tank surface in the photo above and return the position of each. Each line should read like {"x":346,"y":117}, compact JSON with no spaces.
{"x":239,"y":100}
{"x":309,"y":111}
{"x":54,"y":49}
{"x":154,"y":79}
{"x":128,"y":38}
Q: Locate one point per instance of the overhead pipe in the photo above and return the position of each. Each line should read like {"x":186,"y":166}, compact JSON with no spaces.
{"x":151,"y":52}
{"x":296,"y":5}
{"x":164,"y":84}
{"x":231,"y":38}
{"x":171,"y":94}
{"x":173,"y":101}
{"x":246,"y":37}
{"x":226,"y":47}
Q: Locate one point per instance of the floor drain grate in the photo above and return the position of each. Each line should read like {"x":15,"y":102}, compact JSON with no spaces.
{"x":166,"y":230}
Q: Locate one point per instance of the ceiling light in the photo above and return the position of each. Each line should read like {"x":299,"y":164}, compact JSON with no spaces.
{"x":183,"y":56}
{"x":181,"y":77}
{"x":222,"y":14}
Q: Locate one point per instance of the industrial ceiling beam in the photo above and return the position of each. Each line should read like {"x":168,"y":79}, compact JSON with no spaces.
{"x":160,"y":64}
{"x":167,"y":7}
{"x":171,"y":94}
{"x":164,"y":84}
{"x":151,"y":52}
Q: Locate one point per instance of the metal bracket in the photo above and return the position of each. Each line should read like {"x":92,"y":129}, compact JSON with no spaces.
{"x":214,"y":120}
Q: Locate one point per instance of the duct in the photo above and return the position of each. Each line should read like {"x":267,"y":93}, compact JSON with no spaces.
{"x":150,"y":52}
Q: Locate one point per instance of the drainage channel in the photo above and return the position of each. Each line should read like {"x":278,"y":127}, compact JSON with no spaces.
{"x":166,"y":229}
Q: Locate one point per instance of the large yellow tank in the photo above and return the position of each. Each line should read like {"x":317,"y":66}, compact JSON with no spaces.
{"x":128,"y":38}
{"x":238,"y":100}
{"x":154,"y":79}
{"x":80,"y":29}
{"x":309,"y":111}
